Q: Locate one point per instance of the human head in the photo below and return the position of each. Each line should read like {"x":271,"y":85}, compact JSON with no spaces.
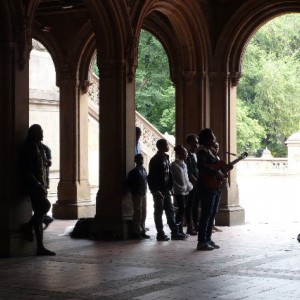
{"x":162,"y":145}
{"x":180,"y":152}
{"x":206,"y":137}
{"x":192,"y":141}
{"x":35,"y":133}
{"x":139,"y":159}
{"x":138,"y":133}
{"x":215,"y":147}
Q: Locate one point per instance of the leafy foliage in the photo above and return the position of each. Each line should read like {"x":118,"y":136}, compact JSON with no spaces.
{"x":270,"y":88}
{"x":154,"y":90}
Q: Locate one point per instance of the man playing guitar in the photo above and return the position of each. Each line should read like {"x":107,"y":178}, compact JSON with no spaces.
{"x":209,"y":194}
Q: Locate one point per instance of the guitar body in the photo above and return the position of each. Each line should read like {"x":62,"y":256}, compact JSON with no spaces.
{"x":212,"y":181}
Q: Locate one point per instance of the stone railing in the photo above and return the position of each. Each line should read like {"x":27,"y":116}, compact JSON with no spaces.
{"x":149,"y":133}
{"x":263,"y":166}
{"x":93,"y":91}
{"x":149,"y":137}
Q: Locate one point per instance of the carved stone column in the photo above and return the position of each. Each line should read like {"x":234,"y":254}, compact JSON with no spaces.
{"x":190,"y":103}
{"x":223,"y":123}
{"x":15,"y":207}
{"x":117,"y":130}
{"x":73,"y":188}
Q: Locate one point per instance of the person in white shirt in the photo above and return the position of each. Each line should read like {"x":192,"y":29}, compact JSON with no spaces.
{"x":181,"y":183}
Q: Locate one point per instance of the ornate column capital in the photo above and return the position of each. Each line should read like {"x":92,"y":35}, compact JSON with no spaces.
{"x":84,"y":85}
{"x":235,"y":77}
{"x":23,"y":41}
{"x":232,"y":77}
{"x":188,"y":77}
{"x":111,"y":67}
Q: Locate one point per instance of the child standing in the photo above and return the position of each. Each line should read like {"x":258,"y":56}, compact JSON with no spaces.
{"x":181,"y":184}
{"x":137,"y":184}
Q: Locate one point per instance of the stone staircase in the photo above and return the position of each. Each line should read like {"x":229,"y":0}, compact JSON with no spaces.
{"x":149,"y":133}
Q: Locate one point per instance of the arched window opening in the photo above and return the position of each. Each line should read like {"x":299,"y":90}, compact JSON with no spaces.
{"x":155,"y":95}
{"x":44,"y":107}
{"x":93,"y":128}
{"x":268,"y":111}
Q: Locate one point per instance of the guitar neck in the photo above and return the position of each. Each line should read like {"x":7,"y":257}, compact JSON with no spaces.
{"x":234,"y":162}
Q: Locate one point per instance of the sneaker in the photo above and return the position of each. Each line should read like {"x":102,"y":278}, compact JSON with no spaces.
{"x":163,"y":238}
{"x":190,"y":230}
{"x":214,"y":245}
{"x":145,"y":236}
{"x":45,"y":252}
{"x":204,"y":247}
{"x":178,"y":236}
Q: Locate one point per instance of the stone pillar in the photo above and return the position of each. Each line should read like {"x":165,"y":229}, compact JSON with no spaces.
{"x":117,"y":138}
{"x":293,"y":145}
{"x":190,"y":104}
{"x":73,"y":188}
{"x":223,"y":123}
{"x":15,"y":207}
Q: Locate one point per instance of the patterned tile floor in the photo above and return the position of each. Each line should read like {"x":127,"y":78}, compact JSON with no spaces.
{"x":256,"y":261}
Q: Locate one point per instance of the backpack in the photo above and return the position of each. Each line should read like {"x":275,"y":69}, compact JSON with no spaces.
{"x":82,"y":228}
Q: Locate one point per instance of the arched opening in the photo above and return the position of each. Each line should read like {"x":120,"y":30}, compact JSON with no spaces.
{"x":44,"y":107}
{"x":155,"y":95}
{"x":93,"y":127}
{"x":267,"y":120}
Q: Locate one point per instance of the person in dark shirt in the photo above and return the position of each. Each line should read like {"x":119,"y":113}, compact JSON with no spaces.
{"x":192,"y":205}
{"x":160,"y":184}
{"x":209,"y":194}
{"x":34,"y":164}
{"x":137,"y":184}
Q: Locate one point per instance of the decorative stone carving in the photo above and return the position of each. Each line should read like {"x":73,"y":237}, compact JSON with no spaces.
{"x":235,"y":78}
{"x":23,"y":39}
{"x":85,"y":84}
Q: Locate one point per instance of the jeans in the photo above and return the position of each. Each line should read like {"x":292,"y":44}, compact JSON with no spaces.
{"x":209,"y":200}
{"x":190,"y":207}
{"x":160,"y":205}
{"x":181,"y":204}
{"x":139,"y":213}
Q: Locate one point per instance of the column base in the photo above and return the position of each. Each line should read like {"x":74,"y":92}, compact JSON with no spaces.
{"x":105,"y":229}
{"x":73,"y":211}
{"x":230,"y":216}
{"x":15,"y":245}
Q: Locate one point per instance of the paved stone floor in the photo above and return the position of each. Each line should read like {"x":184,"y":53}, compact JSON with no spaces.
{"x":256,"y":261}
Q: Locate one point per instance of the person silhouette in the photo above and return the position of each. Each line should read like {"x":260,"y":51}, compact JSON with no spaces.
{"x":160,"y":183}
{"x":34,"y":164}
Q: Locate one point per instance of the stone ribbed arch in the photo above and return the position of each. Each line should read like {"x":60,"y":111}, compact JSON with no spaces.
{"x":239,"y":30}
{"x":49,"y":42}
{"x":113,"y":29}
{"x":87,"y":56}
{"x":180,"y":27}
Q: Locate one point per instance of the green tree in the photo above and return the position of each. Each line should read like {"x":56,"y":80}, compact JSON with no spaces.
{"x":270,"y":88}
{"x":154,"y":90}
{"x":250,"y":133}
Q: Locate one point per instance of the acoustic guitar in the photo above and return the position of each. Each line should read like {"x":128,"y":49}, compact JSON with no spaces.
{"x":213,"y":181}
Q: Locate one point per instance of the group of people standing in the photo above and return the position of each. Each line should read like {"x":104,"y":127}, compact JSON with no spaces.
{"x":192,"y":179}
